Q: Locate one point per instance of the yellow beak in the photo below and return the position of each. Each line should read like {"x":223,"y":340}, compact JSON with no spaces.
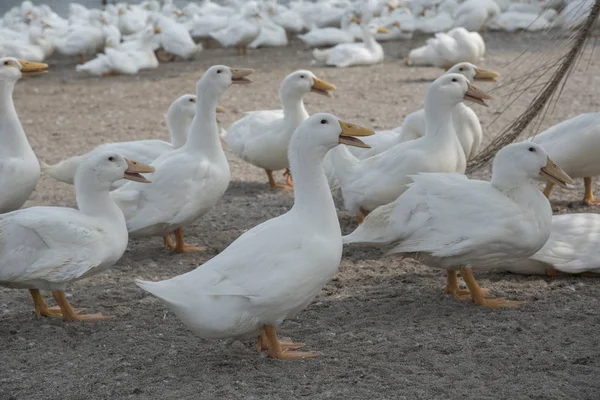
{"x":220,"y":109}
{"x":134,"y":168}
{"x":485,"y":75}
{"x":355,"y":19}
{"x":476,"y":95}
{"x":555,"y":174}
{"x":381,"y":29}
{"x":29,"y":68}
{"x":157,"y":30}
{"x":238,"y":75}
{"x":349,"y":131}
{"x":321,"y":87}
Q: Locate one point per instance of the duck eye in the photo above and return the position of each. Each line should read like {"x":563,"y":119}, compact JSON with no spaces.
{"x":191,"y":100}
{"x":219,"y":71}
{"x":6,"y":62}
{"x":301,"y":76}
{"x":111,"y":158}
{"x":454,"y":80}
{"x":323,"y":121}
{"x":532,"y":149}
{"x":460,"y":69}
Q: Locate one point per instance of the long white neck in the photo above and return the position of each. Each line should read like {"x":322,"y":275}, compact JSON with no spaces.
{"x":368,"y":38}
{"x":203,"y":135}
{"x":312,"y":195}
{"x":438,"y":118}
{"x":179,"y":127}
{"x":93,"y":197}
{"x":293,"y":106}
{"x":12,"y":137}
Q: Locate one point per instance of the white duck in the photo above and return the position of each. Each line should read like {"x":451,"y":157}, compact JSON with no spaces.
{"x":188,"y":181}
{"x":241,"y":31}
{"x":179,"y":119}
{"x":378,"y":180}
{"x":251,"y":287}
{"x":323,"y":37}
{"x":83,"y":37}
{"x":262,"y":137}
{"x":447,"y":49}
{"x":574,"y":144}
{"x":473,"y":15}
{"x":271,"y":35}
{"x":451,"y":222}
{"x":573,"y":248}
{"x":49,"y":247}
{"x":19,"y":167}
{"x":175,"y":39}
{"x":348,"y":54}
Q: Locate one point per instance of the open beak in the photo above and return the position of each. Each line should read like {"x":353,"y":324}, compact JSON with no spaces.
{"x":351,"y":130}
{"x":29,"y":68}
{"x":156,"y":30}
{"x":485,"y":75}
{"x":134,"y":168}
{"x":321,"y":87}
{"x":356,"y":20}
{"x":476,"y":95}
{"x":238,"y":75}
{"x":381,"y":29}
{"x":555,"y":174}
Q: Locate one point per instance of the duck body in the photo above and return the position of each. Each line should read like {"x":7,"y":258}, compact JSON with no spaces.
{"x":241,"y":30}
{"x":179,"y":119}
{"x":348,"y":54}
{"x":225,"y":298}
{"x":176,"y":40}
{"x":572,"y":248}
{"x":372,"y":182}
{"x":323,"y":37}
{"x":19,"y":167}
{"x":448,"y":49}
{"x":271,"y":35}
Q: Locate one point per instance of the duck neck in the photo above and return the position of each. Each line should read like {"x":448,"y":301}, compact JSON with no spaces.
{"x":368,"y":38}
{"x":179,"y":126}
{"x":293,"y":107}
{"x":311,"y":190}
{"x":438,"y":120}
{"x":93,"y":197}
{"x":204,"y":133}
{"x":13,"y":137}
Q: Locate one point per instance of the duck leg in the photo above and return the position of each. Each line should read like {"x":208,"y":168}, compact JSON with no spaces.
{"x":181,"y":246}
{"x":288,"y":175}
{"x":82,"y":59}
{"x":548,"y":189}
{"x":42,"y":309}
{"x":478,"y":296}
{"x":274,"y":183}
{"x":456,"y":292}
{"x":245,"y":50}
{"x":168,"y":242}
{"x":70,"y":314}
{"x":286,"y":344}
{"x":362,"y":217}
{"x":275,"y":349}
{"x":589,"y":193}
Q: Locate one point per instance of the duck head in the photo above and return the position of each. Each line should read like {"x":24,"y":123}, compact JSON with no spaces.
{"x":12,"y":69}
{"x":303,"y":81}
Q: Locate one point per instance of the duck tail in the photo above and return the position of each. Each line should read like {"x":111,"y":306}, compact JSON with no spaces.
{"x":321,"y":55}
{"x":154,"y":288}
{"x":343,"y":163}
{"x":63,"y":171}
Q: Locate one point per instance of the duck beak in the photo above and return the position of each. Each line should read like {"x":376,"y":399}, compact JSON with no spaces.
{"x":258,"y":16}
{"x":485,"y":75}
{"x":381,"y":29}
{"x":351,"y":130}
{"x":321,"y":87}
{"x":356,"y":20}
{"x":134,"y":168}
{"x":220,"y":109}
{"x":179,"y":13}
{"x":156,"y":30}
{"x":476,"y":95}
{"x":120,"y":12}
{"x":238,"y":75}
{"x":29,"y":68}
{"x":555,"y":174}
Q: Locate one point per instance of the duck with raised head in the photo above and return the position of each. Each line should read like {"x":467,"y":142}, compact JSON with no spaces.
{"x":252,"y":286}
{"x":451,"y":222}
{"x":372,"y":182}
{"x":19,"y":167}
{"x":262,"y":137}
{"x":179,"y":119}
{"x":190,"y":180}
{"x":46,"y":248}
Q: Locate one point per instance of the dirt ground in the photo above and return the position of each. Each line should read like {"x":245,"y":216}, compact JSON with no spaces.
{"x":383,"y":328}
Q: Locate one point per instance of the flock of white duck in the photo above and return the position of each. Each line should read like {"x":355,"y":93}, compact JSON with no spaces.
{"x":126,"y":38}
{"x":406,"y":187}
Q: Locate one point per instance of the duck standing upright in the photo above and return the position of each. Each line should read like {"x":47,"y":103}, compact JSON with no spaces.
{"x":262,"y":137}
{"x":188,"y":181}
{"x":451,"y":222}
{"x":48,"y":247}
{"x":251,"y":287}
{"x":19,"y":167}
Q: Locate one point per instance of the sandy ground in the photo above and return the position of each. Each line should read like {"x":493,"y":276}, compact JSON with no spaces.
{"x":383,"y":327}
